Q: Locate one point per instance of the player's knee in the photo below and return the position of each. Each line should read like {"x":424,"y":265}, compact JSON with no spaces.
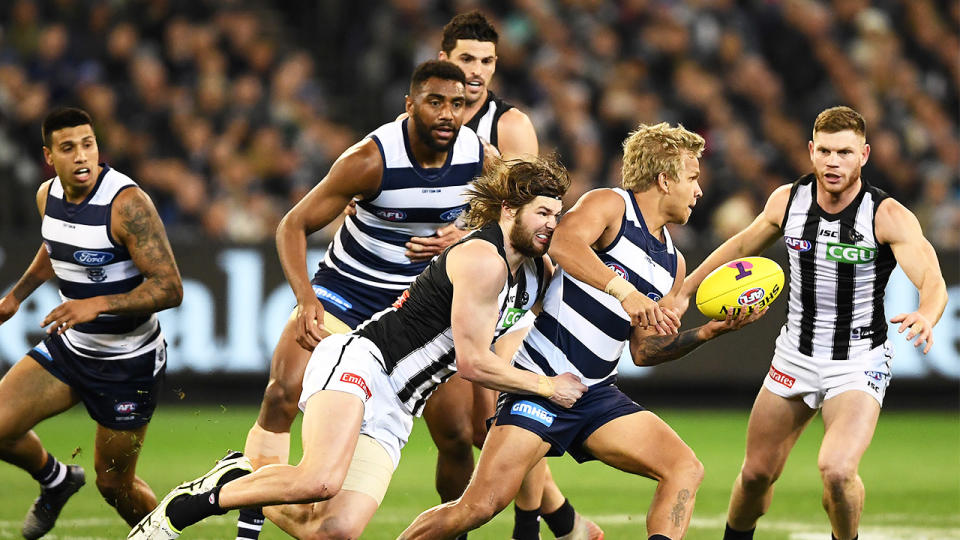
{"x":756,"y":479}
{"x":315,"y":487}
{"x":687,"y":469}
{"x":336,"y":528}
{"x":455,"y":438}
{"x":280,"y":404}
{"x":113,"y":487}
{"x":837,"y":474}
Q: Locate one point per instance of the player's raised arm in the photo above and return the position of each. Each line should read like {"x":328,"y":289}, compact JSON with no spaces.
{"x":752,"y":240}
{"x":356,"y":172}
{"x":594,"y":222}
{"x":516,"y":137}
{"x":39,"y":271}
{"x":478,"y":274}
{"x":898,"y":227}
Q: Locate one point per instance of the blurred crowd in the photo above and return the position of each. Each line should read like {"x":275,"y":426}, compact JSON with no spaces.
{"x":227,"y":112}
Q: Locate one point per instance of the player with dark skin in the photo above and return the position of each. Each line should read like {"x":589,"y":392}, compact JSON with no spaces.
{"x":28,"y":392}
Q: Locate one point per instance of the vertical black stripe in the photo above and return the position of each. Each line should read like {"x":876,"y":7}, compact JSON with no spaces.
{"x":884,"y":265}
{"x":844,"y":301}
{"x":334,"y":368}
{"x":808,"y":276}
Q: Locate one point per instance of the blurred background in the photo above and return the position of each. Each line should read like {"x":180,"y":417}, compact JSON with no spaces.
{"x":227,"y":112}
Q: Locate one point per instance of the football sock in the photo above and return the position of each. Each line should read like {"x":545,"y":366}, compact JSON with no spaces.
{"x":658,"y":537}
{"x":561,"y":520}
{"x":250,"y":523}
{"x":731,"y":534}
{"x":51,"y":474}
{"x":526,"y":524}
{"x":186,"y":510}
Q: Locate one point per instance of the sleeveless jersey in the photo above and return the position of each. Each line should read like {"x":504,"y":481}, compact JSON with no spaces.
{"x":838,"y":273}
{"x":582,"y":330}
{"x":89,"y":262}
{"x":485,"y":121}
{"x":414,"y":334}
{"x":412,"y":201}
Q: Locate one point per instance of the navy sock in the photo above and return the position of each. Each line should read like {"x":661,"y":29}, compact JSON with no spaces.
{"x":51,"y":474}
{"x":561,"y":520}
{"x":526,"y":524}
{"x":658,"y":537}
{"x":186,"y":510}
{"x":731,"y":534}
{"x":250,"y":523}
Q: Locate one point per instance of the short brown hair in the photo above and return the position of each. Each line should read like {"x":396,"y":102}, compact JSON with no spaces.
{"x":651,"y":150}
{"x":841,"y":118}
{"x":472,"y":25}
{"x":514,"y":183}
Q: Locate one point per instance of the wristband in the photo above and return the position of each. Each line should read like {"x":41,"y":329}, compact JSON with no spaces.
{"x":544,"y":386}
{"x":619,"y":288}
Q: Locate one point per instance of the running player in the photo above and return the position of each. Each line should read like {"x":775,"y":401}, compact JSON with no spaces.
{"x":377,"y":378}
{"x":410,"y":176}
{"x":103,"y":240}
{"x":615,"y":262}
{"x":843,"y":237}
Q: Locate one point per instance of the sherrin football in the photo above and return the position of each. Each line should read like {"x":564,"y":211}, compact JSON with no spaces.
{"x":749,"y":283}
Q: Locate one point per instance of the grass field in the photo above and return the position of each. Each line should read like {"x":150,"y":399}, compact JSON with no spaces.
{"x":912,"y":474}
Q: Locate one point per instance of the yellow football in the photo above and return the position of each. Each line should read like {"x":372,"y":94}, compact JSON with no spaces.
{"x":749,"y":283}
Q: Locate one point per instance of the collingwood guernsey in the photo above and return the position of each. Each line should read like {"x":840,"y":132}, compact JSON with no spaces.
{"x":838,"y":273}
{"x":485,"y":121}
{"x":414,"y":335}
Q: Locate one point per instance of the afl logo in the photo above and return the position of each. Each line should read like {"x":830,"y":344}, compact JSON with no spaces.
{"x":92,"y":258}
{"x":751,"y":296}
{"x":391,"y":215}
{"x":797,"y":244}
{"x":621,"y":271}
{"x":451,"y":214}
{"x":125,"y":407}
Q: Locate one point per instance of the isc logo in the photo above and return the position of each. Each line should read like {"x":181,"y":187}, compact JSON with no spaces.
{"x":751,"y":296}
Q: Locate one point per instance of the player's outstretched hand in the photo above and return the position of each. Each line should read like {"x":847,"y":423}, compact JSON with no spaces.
{"x":735,"y":322}
{"x":424,"y":248}
{"x":919,"y":326}
{"x":310,"y":329}
{"x":8,"y":308}
{"x":73,"y":312}
{"x":645,"y":312}
{"x":567,"y":389}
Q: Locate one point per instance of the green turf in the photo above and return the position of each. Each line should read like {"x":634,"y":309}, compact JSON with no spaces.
{"x":912,"y":475}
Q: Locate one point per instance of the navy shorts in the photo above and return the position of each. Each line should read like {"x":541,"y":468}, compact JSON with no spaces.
{"x":350,"y":301}
{"x":118,"y":394}
{"x":566,"y":429}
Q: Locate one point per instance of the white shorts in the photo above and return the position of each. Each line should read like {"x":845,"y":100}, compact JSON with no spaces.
{"x":350,"y":363}
{"x":814,"y":380}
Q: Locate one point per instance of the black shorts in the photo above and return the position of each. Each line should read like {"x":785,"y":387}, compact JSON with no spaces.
{"x":566,"y":429}
{"x":118,"y":394}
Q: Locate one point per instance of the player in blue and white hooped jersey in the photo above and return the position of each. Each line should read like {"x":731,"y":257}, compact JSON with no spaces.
{"x":410,"y":178}
{"x":615,"y":262}
{"x":843,"y":237}
{"x":104,"y":242}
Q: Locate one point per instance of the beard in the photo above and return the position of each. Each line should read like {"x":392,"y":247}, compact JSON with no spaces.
{"x":522,"y":239}
{"x":850,"y":180}
{"x":423,"y":131}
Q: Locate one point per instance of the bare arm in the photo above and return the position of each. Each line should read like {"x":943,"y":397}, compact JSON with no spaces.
{"x":898,"y":227}
{"x":594,"y":222}
{"x":516,"y":136}
{"x":38,"y":273}
{"x":478,"y":273}
{"x":136,"y":225}
{"x":757,"y":237}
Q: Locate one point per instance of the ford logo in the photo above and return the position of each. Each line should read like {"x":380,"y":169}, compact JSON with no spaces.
{"x":92,"y":258}
{"x":797,"y":244}
{"x":751,"y":296}
{"x":391,"y":215}
{"x":451,"y":214}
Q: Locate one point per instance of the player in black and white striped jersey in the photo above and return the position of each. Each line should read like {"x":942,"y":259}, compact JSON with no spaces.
{"x":103,"y":240}
{"x":843,"y":237}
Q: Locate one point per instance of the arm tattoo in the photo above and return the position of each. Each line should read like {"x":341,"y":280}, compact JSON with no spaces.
{"x":679,"y":511}
{"x":150,"y":250}
{"x":658,"y":349}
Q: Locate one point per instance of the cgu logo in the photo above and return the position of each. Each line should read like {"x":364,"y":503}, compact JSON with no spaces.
{"x":92,"y":258}
{"x":751,"y":296}
{"x":797,"y":244}
{"x":391,"y":215}
{"x":452,"y":214}
{"x":846,"y":253}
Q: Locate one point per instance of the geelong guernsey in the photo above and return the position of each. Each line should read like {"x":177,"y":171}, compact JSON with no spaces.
{"x":838,"y":273}
{"x":485,"y":121}
{"x":414,"y":335}
{"x":89,"y":262}
{"x":582,"y":330}
{"x":412,"y":201}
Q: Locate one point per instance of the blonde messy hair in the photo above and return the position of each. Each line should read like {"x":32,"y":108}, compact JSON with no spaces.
{"x":514,"y":183}
{"x":651,"y":150}
{"x":837,"y":119}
